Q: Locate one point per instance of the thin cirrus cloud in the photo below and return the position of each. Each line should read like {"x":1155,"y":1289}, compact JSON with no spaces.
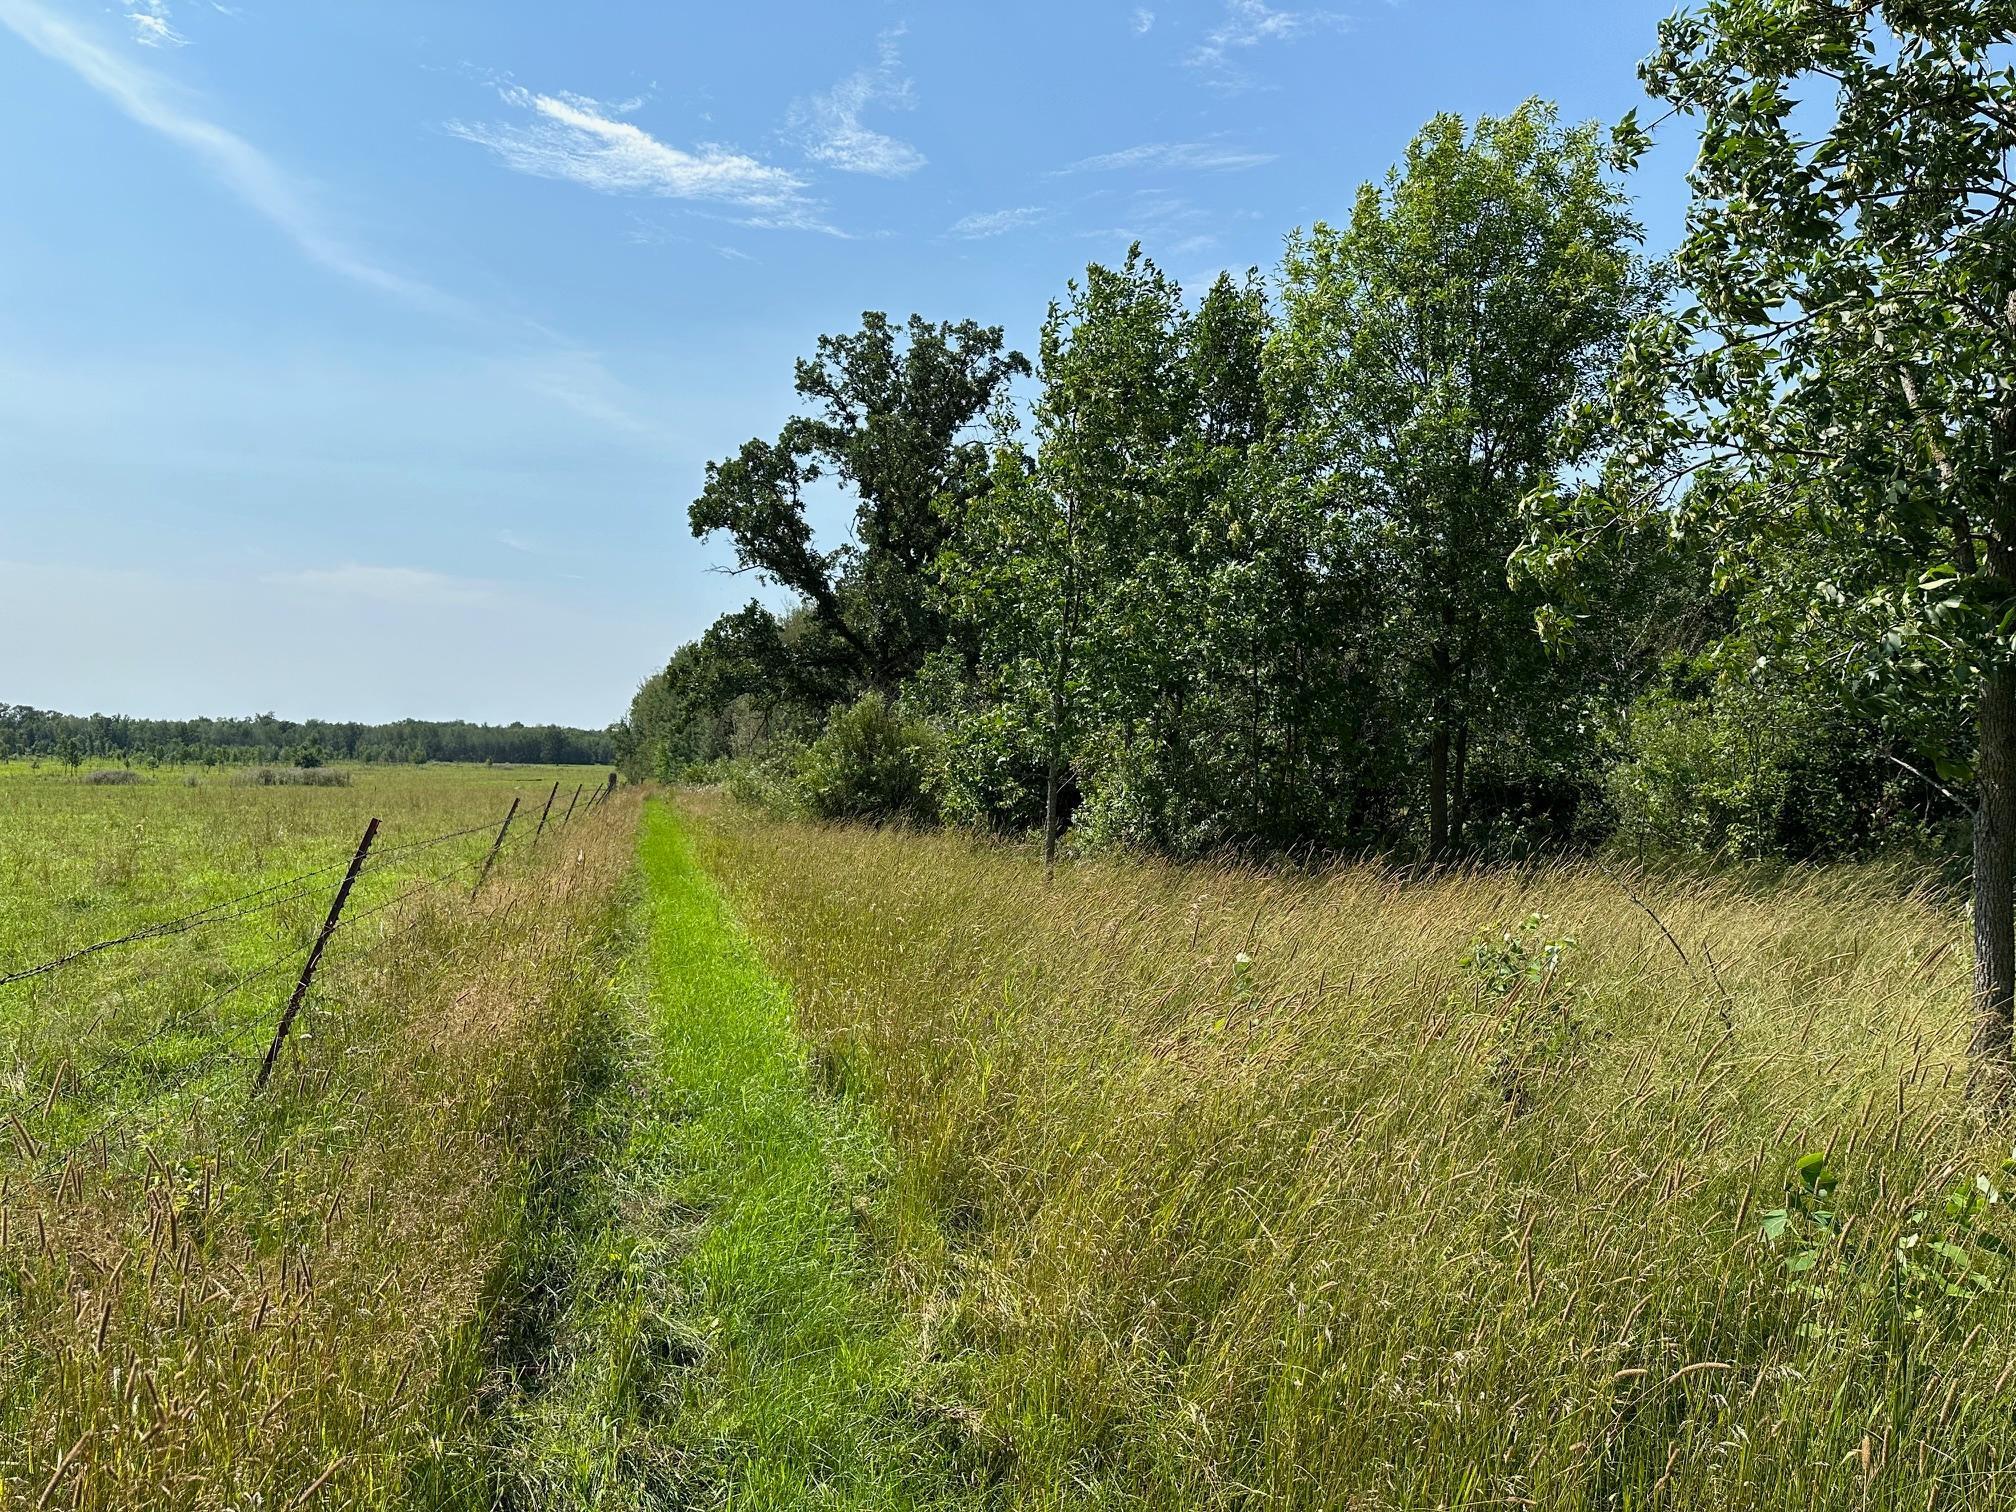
{"x":1210,"y":157}
{"x":246,"y":171}
{"x":1144,"y":21}
{"x":154,"y":26}
{"x":830,"y":128}
{"x":582,"y":141}
{"x":1248,"y":24}
{"x":389,"y":585}
{"x":990,"y":223}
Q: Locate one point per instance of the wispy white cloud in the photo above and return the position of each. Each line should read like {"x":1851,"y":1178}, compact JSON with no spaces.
{"x":1247,"y":24}
{"x":515,"y":541}
{"x":1166,"y":225}
{"x":1144,"y":21}
{"x":583,"y":141}
{"x":154,"y":25}
{"x":389,"y":585}
{"x":979,"y":226}
{"x":579,"y":380}
{"x":831,"y":128}
{"x":1200,"y":156}
{"x":255,"y":178}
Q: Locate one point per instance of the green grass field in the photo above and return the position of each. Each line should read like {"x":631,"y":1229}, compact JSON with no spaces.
{"x":215,"y":1298}
{"x":708,"y":1161}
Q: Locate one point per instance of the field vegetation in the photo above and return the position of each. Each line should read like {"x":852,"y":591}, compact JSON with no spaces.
{"x":1231,"y":1186}
{"x":216,"y":1297}
{"x":1390,"y":887}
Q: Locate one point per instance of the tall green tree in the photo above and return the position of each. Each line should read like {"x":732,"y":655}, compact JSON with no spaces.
{"x":894,"y":420}
{"x":1432,"y":348}
{"x":1041,"y":559}
{"x":1836,"y":407}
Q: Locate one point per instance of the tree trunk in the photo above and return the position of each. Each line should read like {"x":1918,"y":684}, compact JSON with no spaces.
{"x":1438,"y":787}
{"x":1059,"y":698}
{"x":1994,"y":885}
{"x":1050,"y":803}
{"x":1457,"y":782}
{"x":1438,"y":746}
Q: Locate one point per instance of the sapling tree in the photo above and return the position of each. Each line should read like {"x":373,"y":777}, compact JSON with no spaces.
{"x":1045,"y":558}
{"x":1835,"y":407}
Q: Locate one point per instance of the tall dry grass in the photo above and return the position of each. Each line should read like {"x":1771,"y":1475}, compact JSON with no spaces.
{"x":236,"y":1301}
{"x":1229,"y":1187}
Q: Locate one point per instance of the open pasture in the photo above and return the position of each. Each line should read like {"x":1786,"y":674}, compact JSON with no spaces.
{"x":216,"y":1296}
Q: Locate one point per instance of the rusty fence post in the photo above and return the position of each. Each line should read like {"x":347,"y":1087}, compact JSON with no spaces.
{"x":568,"y":818}
{"x":315,"y":956}
{"x":544,"y":813}
{"x":495,"y":846}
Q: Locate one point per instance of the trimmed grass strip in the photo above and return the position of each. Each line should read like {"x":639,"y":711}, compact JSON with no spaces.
{"x":724,"y":1341}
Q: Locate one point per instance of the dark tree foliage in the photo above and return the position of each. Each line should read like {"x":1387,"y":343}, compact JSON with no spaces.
{"x":1264,"y":567}
{"x":263,"y":738}
{"x":1835,"y":406}
{"x":893,"y":424}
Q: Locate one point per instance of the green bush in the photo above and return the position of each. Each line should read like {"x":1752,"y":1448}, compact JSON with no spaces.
{"x":768,"y":781}
{"x":1745,"y":765}
{"x":992,"y":768}
{"x":874,"y":761}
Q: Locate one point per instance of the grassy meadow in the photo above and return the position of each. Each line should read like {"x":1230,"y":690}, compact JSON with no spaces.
{"x":1230,"y":1187}
{"x":709,"y":1160}
{"x":211,"y":1298}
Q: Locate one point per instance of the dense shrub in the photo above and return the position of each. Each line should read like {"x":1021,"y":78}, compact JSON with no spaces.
{"x":112,"y":777}
{"x":874,"y":761}
{"x":293,"y":777}
{"x":1745,"y":766}
{"x":991,"y":770}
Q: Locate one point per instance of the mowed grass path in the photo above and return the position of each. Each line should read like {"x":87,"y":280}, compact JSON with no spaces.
{"x":724,"y":1341}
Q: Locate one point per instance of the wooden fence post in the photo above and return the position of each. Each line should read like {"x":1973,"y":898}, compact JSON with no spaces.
{"x":537,"y":834}
{"x":569,"y":817}
{"x":495,"y":846}
{"x":315,"y":956}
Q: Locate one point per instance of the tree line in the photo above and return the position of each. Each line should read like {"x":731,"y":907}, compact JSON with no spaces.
{"x":1471,"y":531}
{"x":72,"y":739}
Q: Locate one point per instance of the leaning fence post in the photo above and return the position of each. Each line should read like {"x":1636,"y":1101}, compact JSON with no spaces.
{"x":495,"y":846}
{"x":612,"y":785}
{"x":568,"y":817}
{"x":544,"y":812}
{"x":315,"y":956}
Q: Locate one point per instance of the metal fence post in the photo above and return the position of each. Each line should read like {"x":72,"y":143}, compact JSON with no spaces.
{"x":543,"y":813}
{"x":315,"y":956}
{"x":495,"y":846}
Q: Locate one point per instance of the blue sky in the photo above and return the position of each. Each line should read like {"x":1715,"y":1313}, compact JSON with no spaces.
{"x":359,"y":358}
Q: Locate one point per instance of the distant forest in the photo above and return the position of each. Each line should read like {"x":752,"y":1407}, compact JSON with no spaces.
{"x":77,"y":738}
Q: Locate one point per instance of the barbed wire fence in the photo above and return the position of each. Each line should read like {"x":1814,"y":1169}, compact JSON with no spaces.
{"x":260,"y":1046}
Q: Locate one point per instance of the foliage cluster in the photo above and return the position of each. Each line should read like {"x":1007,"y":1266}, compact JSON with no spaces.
{"x":1256,"y":570}
{"x":39,"y":735}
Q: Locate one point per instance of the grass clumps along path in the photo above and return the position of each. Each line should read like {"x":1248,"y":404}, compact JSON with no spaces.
{"x":720,"y":1337}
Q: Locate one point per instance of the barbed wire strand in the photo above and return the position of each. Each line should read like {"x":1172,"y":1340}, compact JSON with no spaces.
{"x":213,"y":913}
{"x":225,"y":1049}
